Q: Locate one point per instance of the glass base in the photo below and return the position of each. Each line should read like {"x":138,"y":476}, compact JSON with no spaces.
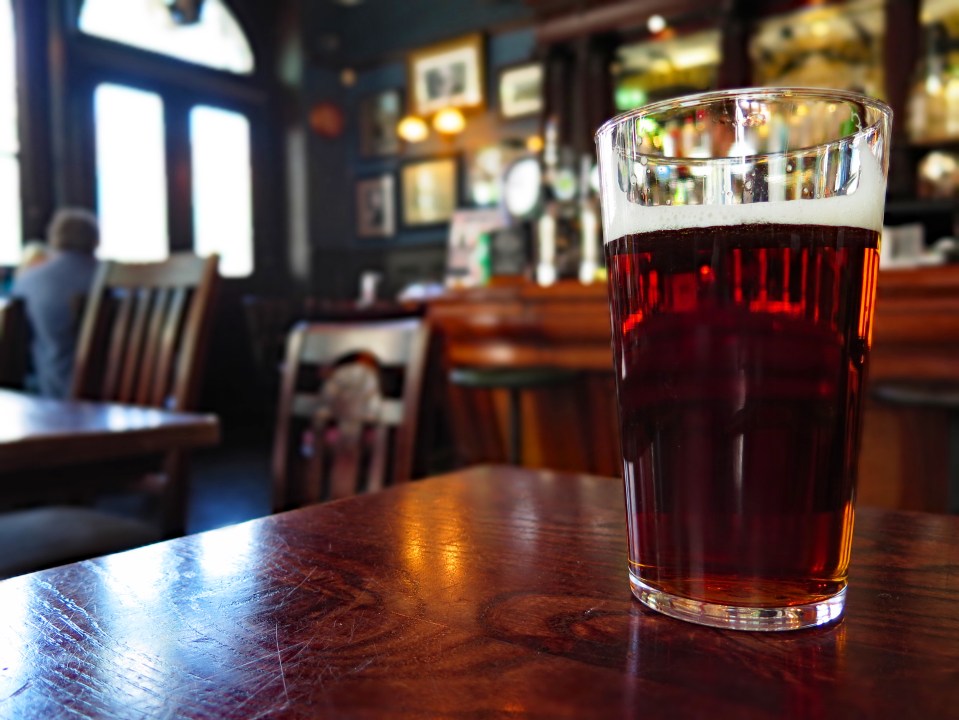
{"x":731,"y":617}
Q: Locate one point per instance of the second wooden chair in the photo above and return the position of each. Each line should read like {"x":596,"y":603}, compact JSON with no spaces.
{"x":348,"y":409}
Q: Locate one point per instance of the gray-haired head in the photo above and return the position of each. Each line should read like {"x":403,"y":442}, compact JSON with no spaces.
{"x":74,"y":229}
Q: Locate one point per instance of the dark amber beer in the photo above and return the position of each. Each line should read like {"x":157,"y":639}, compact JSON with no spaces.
{"x":742,"y":353}
{"x":742,"y":257}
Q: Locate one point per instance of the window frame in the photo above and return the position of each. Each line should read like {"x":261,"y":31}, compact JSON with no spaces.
{"x":182,"y":85}
{"x":31,"y":62}
{"x":192,"y":65}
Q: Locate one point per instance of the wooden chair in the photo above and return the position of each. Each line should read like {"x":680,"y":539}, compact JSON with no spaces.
{"x":349,"y":409}
{"x":145,"y":332}
{"x":143,"y":341}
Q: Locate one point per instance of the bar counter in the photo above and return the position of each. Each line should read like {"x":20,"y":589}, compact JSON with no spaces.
{"x":574,"y":427}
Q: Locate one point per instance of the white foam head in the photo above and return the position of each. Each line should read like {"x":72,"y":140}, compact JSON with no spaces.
{"x":862,"y":207}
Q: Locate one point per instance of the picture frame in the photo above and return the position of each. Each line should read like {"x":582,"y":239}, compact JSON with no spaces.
{"x":379,"y":114}
{"x":520,"y":90}
{"x":430,"y":191}
{"x":447,"y":75}
{"x":376,"y":207}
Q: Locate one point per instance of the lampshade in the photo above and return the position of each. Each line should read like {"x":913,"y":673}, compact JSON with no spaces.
{"x":449,"y":121}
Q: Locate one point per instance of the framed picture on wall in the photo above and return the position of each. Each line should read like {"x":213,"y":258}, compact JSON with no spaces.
{"x":429,"y":191}
{"x":447,"y":75}
{"x":379,"y":116}
{"x":375,"y":207}
{"x":521,"y":90}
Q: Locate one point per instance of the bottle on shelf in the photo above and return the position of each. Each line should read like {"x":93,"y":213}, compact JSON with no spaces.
{"x":933,"y":109}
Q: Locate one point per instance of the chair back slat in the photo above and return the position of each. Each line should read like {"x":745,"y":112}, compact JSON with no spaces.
{"x":154,"y":319}
{"x":340,"y":446}
{"x":117,"y":349}
{"x":379,"y":456}
{"x":348,"y":410}
{"x":151,"y":349}
{"x":134,"y":359}
{"x":305,"y":405}
{"x":393,"y":344}
{"x":169,"y":342}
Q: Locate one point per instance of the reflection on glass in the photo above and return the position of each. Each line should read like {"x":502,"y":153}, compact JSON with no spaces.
{"x":222,"y":190}
{"x":216,"y":40}
{"x":660,"y":69}
{"x":830,"y":47}
{"x":10,"y":221}
{"x":131,"y":174}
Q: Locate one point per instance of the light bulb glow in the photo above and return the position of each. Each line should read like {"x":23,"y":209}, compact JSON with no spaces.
{"x":656,"y":24}
{"x":412,"y":129}
{"x":449,"y":121}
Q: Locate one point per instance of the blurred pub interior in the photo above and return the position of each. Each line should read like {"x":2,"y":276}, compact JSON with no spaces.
{"x":354,"y":160}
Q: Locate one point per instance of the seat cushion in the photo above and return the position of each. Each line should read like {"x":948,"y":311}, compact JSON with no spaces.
{"x":44,"y":537}
{"x":510,"y":378}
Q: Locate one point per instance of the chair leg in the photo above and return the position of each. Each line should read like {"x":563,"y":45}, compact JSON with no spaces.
{"x":175,"y":496}
{"x":515,"y":427}
{"x":952,"y":493}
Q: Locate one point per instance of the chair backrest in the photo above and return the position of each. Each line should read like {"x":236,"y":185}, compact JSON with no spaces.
{"x":348,"y":409}
{"x":145,"y":332}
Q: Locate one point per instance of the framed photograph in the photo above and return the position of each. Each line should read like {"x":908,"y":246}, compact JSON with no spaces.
{"x":521,"y":90}
{"x":375,"y":207}
{"x":447,"y":75}
{"x":379,"y":116}
{"x":430,"y":192}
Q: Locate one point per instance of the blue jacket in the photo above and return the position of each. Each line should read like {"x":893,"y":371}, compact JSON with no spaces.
{"x":50,"y":292}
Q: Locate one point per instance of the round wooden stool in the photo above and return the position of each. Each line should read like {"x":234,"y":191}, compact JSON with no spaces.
{"x":930,"y":395}
{"x":514,"y":381}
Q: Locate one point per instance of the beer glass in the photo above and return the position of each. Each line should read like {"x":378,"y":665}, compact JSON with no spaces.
{"x":742,"y":247}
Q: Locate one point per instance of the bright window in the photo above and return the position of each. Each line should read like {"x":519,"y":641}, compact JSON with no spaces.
{"x":222,"y":189}
{"x":131,"y":174}
{"x":11,"y":228}
{"x":216,"y":40}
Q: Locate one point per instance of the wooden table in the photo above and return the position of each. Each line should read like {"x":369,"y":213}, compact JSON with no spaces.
{"x":52,"y":450}
{"x":39,"y":433}
{"x":487,"y":593}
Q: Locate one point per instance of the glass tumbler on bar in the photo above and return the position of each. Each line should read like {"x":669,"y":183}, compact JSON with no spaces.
{"x":742,"y":247}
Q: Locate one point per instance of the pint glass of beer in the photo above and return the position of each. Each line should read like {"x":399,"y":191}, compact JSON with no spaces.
{"x":742,"y":245}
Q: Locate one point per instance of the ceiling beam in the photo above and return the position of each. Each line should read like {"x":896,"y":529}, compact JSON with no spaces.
{"x":624,"y":15}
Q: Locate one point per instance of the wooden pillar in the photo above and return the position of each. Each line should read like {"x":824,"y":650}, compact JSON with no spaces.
{"x":734,"y":68}
{"x":900,"y":55}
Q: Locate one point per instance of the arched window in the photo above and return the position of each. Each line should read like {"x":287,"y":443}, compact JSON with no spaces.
{"x":11,"y":228}
{"x":215,"y":40}
{"x":141,"y":213}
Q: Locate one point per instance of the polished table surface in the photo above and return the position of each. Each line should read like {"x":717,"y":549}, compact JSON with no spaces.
{"x":39,"y":433}
{"x":487,"y":593}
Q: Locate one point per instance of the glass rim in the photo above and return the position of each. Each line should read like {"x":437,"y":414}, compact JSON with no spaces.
{"x":754,"y":93}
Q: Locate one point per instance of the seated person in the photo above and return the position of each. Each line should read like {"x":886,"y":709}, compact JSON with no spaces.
{"x":50,"y":292}
{"x":34,"y":254}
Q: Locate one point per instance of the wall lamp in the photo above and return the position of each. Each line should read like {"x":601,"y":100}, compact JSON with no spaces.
{"x":448,"y":122}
